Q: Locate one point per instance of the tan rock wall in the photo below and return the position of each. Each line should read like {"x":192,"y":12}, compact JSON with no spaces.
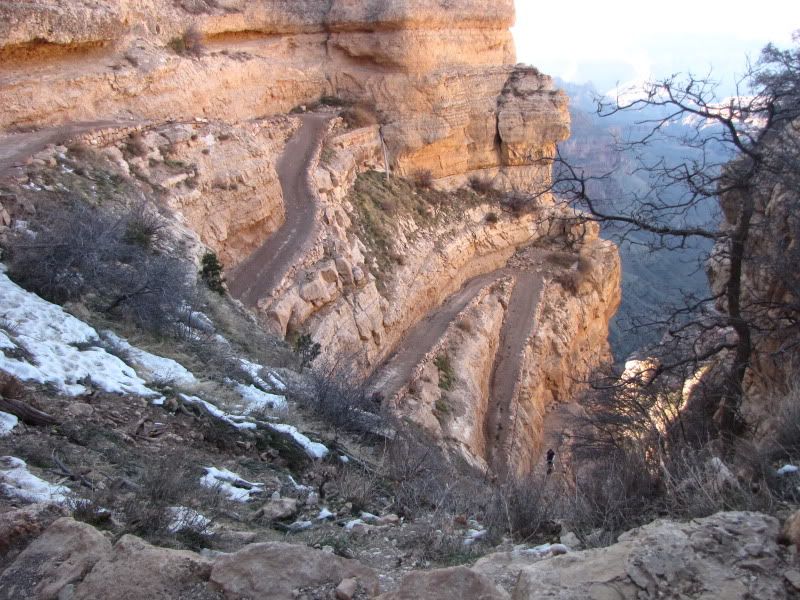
{"x":433,"y":71}
{"x":570,"y":340}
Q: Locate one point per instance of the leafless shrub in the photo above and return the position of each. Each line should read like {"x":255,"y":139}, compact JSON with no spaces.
{"x":423,"y":179}
{"x":787,"y":426}
{"x":527,"y":508}
{"x":491,"y":217}
{"x":359,"y":116}
{"x":518,"y":203}
{"x":481,"y":185}
{"x":361,"y":488}
{"x":344,"y":404}
{"x":189,"y":44}
{"x":638,"y":460}
{"x":153,"y":509}
{"x":85,"y":253}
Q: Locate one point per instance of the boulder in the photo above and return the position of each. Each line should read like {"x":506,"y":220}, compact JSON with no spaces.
{"x":135,"y":570}
{"x":62,"y":555}
{"x":276,"y":509}
{"x":19,"y":525}
{"x":455,"y":583}
{"x":728,"y":555}
{"x":275,"y":569}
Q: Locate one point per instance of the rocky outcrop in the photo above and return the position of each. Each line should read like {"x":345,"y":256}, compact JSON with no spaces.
{"x":74,"y":560}
{"x":276,"y":570}
{"x":730,"y":554}
{"x":61,"y":556}
{"x":456,"y":583}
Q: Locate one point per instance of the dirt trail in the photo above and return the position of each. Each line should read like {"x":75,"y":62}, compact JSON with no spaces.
{"x":517,"y":327}
{"x":264,"y":269}
{"x":15,"y":148}
{"x":396,"y":370}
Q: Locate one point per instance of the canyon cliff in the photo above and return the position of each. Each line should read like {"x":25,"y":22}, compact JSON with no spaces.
{"x":215,"y":109}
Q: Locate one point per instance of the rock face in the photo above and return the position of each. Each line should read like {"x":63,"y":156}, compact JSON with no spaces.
{"x":439,"y":75}
{"x":769,"y":296}
{"x":192,"y":96}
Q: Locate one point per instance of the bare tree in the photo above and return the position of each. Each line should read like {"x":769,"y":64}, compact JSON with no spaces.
{"x":738,"y":152}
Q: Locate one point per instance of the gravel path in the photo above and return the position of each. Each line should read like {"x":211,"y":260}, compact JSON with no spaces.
{"x":264,"y":269}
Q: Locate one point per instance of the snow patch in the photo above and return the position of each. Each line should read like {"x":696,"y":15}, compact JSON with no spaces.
{"x":5,"y":341}
{"x":354,"y":523}
{"x":17,"y":482}
{"x":238,"y":421}
{"x":258,"y":400}
{"x":254,"y":371}
{"x":50,"y":335}
{"x":7,"y":423}
{"x":324,"y":514}
{"x":299,"y":487}
{"x":313,"y":449}
{"x":300,"y":526}
{"x":230,"y":484}
{"x":158,"y":368}
{"x":183,"y":517}
{"x":473,"y":535}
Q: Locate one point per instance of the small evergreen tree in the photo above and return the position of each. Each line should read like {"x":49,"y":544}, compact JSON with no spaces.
{"x":211,"y":273}
{"x":306,"y":349}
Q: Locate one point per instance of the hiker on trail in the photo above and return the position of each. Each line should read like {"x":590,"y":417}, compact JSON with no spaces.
{"x":550,"y":456}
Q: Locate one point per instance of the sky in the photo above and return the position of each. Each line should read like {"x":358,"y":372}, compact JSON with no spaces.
{"x":627,"y":42}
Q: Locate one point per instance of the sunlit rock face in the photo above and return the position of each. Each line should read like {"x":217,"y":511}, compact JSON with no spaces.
{"x":440,"y":76}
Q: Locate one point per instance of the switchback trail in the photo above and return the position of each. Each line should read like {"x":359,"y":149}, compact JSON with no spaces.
{"x":15,"y":148}
{"x":396,"y":370}
{"x":264,"y":269}
{"x":517,"y":327}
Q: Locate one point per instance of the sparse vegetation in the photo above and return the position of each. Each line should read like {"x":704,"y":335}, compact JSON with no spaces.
{"x":480,"y":185}
{"x":189,"y":44}
{"x":340,"y":398}
{"x":358,"y":115}
{"x":136,"y":145}
{"x":424,"y":179}
{"x":446,"y":374}
{"x":85,"y":253}
{"x":383,"y":206}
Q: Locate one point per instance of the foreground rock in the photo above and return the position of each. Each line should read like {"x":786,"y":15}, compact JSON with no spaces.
{"x":731,"y":555}
{"x":275,"y":570}
{"x":61,"y":556}
{"x":457,"y":583}
{"x":728,"y":555}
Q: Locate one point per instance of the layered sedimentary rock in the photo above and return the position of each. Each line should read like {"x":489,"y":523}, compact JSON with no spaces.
{"x":438,"y":75}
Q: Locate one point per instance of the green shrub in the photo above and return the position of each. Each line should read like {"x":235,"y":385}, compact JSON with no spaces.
{"x":446,"y":375}
{"x":306,"y":349}
{"x":211,"y":273}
